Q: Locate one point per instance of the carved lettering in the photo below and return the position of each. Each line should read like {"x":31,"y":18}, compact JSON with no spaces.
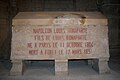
{"x":60,"y":41}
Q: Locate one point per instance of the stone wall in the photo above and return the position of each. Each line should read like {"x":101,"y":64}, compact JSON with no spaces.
{"x":4,"y":30}
{"x":111,"y":9}
{"x":57,"y":5}
{"x":30,"y":5}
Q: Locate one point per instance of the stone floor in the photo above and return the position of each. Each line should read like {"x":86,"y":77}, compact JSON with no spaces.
{"x":78,"y":70}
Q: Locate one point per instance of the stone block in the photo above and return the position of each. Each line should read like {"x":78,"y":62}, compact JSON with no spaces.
{"x":61,"y":67}
{"x":17,"y":67}
{"x":101,"y":65}
{"x":60,"y":36}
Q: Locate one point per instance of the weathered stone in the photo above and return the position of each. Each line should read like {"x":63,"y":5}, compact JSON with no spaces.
{"x":61,"y":36}
{"x":61,"y":67}
{"x":101,"y":65}
{"x":17,"y":67}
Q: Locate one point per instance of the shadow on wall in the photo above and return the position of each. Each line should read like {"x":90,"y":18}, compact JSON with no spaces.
{"x":5,"y":31}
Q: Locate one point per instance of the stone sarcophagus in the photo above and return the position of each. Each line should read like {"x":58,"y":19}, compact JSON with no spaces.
{"x":60,"y":36}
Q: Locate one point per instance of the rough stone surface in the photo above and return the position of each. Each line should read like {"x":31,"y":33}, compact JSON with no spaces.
{"x":17,"y":67}
{"x":61,"y":67}
{"x":61,"y":36}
